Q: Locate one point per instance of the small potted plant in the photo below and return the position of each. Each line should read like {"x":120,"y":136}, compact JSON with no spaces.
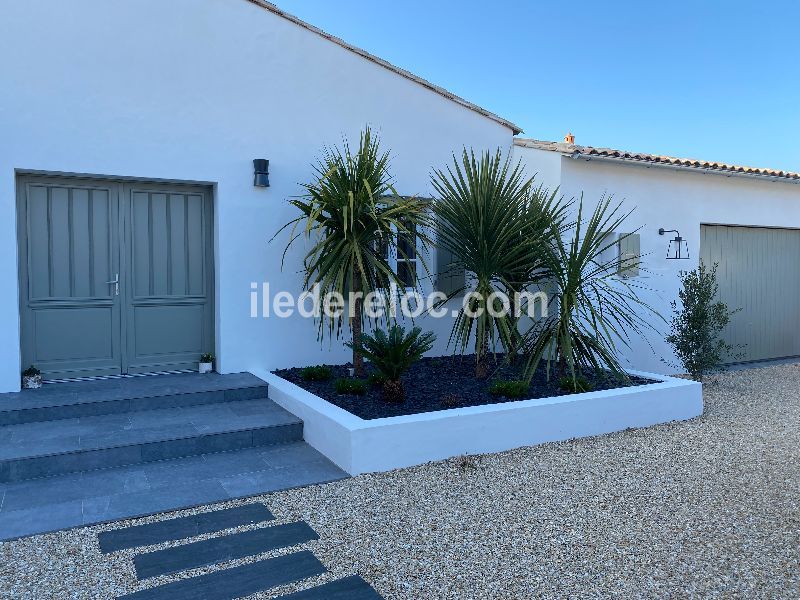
{"x":206,"y":363}
{"x":31,"y":378}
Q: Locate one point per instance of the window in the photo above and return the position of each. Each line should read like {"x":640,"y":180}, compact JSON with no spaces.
{"x":623,"y":251}
{"x":629,"y":255}
{"x":451,"y":276}
{"x":406,"y":259}
{"x":403,"y":256}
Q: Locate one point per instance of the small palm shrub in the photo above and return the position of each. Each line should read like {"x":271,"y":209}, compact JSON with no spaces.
{"x":491,"y":218}
{"x":351,"y":218}
{"x":595,"y":310}
{"x":392,"y":353}
{"x":511,"y":388}
{"x":697,"y":323}
{"x":348,"y":385}
{"x":316,"y":373}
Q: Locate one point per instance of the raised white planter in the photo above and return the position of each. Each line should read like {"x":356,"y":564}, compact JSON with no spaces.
{"x":361,"y":446}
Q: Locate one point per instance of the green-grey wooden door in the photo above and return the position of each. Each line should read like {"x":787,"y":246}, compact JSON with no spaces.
{"x":758,"y":273}
{"x":168,"y":277}
{"x":115,"y":277}
{"x":69,"y":252}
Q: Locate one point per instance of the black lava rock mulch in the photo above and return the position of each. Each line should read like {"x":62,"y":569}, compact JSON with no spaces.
{"x":441,"y":383}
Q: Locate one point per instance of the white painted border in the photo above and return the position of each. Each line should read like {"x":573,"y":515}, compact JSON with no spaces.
{"x":362,"y":446}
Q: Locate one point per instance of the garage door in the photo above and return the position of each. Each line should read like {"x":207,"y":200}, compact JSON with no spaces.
{"x":759,"y":272}
{"x":115,"y":277}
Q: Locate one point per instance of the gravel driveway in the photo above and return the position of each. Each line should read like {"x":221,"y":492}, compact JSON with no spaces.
{"x":706,"y":508}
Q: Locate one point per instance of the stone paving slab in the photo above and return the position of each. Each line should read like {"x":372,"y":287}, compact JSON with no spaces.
{"x":237,"y":582}
{"x":55,"y":503}
{"x":182,"y":527}
{"x":221,"y":549}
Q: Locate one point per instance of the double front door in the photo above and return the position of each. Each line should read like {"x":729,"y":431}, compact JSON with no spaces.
{"x":115,"y":277}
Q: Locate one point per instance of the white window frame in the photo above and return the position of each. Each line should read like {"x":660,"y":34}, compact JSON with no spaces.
{"x":393,"y":260}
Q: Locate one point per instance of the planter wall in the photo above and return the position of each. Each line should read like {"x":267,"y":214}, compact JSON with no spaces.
{"x":361,"y":446}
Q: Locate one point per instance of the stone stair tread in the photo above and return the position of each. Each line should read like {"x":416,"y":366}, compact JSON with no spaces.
{"x":88,"y":498}
{"x":48,"y":438}
{"x":83,"y":392}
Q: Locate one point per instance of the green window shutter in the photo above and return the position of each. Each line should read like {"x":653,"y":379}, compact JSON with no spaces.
{"x":629,"y":254}
{"x":450,"y":275}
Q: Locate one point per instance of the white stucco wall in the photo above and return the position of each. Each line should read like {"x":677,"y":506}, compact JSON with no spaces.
{"x":194,"y":90}
{"x":672,"y":199}
{"x":542,"y":165}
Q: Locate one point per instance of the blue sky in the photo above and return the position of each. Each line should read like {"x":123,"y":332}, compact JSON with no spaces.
{"x":713,"y":80}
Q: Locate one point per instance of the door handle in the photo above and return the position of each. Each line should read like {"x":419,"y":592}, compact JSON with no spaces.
{"x":115,"y":283}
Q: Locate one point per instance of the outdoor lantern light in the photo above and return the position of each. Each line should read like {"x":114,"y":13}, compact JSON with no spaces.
{"x":678,"y":249}
{"x":261,"y":168}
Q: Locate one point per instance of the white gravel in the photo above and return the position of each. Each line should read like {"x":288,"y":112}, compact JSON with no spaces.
{"x":705,"y":508}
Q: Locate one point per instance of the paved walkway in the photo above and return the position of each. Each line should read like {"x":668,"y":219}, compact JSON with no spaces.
{"x":234,"y":582}
{"x":81,"y":453}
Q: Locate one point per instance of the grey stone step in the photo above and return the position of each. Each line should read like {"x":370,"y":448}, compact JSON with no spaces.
{"x":237,"y":582}
{"x":182,"y":527}
{"x":45,"y":449}
{"x":221,"y":549}
{"x":347,"y":588}
{"x":116,"y":396}
{"x":77,"y":499}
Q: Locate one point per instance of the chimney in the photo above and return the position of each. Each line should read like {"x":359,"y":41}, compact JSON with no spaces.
{"x":569,"y":138}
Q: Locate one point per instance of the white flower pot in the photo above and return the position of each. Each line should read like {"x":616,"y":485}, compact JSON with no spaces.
{"x":32,"y":383}
{"x":205,"y":367}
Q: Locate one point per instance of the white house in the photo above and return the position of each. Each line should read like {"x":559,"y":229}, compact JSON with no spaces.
{"x":746,"y":219}
{"x":130,"y":227}
{"x":131,"y":231}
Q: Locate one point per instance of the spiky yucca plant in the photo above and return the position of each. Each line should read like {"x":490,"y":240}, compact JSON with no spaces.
{"x":392,"y":354}
{"x":594,"y":309}
{"x":543,"y":216}
{"x":351,"y":215}
{"x":489,"y":216}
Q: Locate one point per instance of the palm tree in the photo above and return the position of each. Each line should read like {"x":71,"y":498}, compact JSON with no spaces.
{"x":485,"y":217}
{"x":543,"y":216}
{"x":352,"y":216}
{"x":595,"y":309}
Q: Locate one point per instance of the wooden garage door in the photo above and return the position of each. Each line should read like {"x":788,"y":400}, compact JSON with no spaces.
{"x":759,"y":272}
{"x":114,"y":277}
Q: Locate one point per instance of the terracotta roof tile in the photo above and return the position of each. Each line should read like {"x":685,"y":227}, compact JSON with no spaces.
{"x":692,"y":163}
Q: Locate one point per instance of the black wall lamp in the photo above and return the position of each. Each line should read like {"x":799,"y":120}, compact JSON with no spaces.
{"x":678,"y":249}
{"x":261,"y":168}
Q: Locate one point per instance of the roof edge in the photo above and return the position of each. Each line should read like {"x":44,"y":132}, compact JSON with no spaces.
{"x":589,"y":152}
{"x":387,"y":65}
